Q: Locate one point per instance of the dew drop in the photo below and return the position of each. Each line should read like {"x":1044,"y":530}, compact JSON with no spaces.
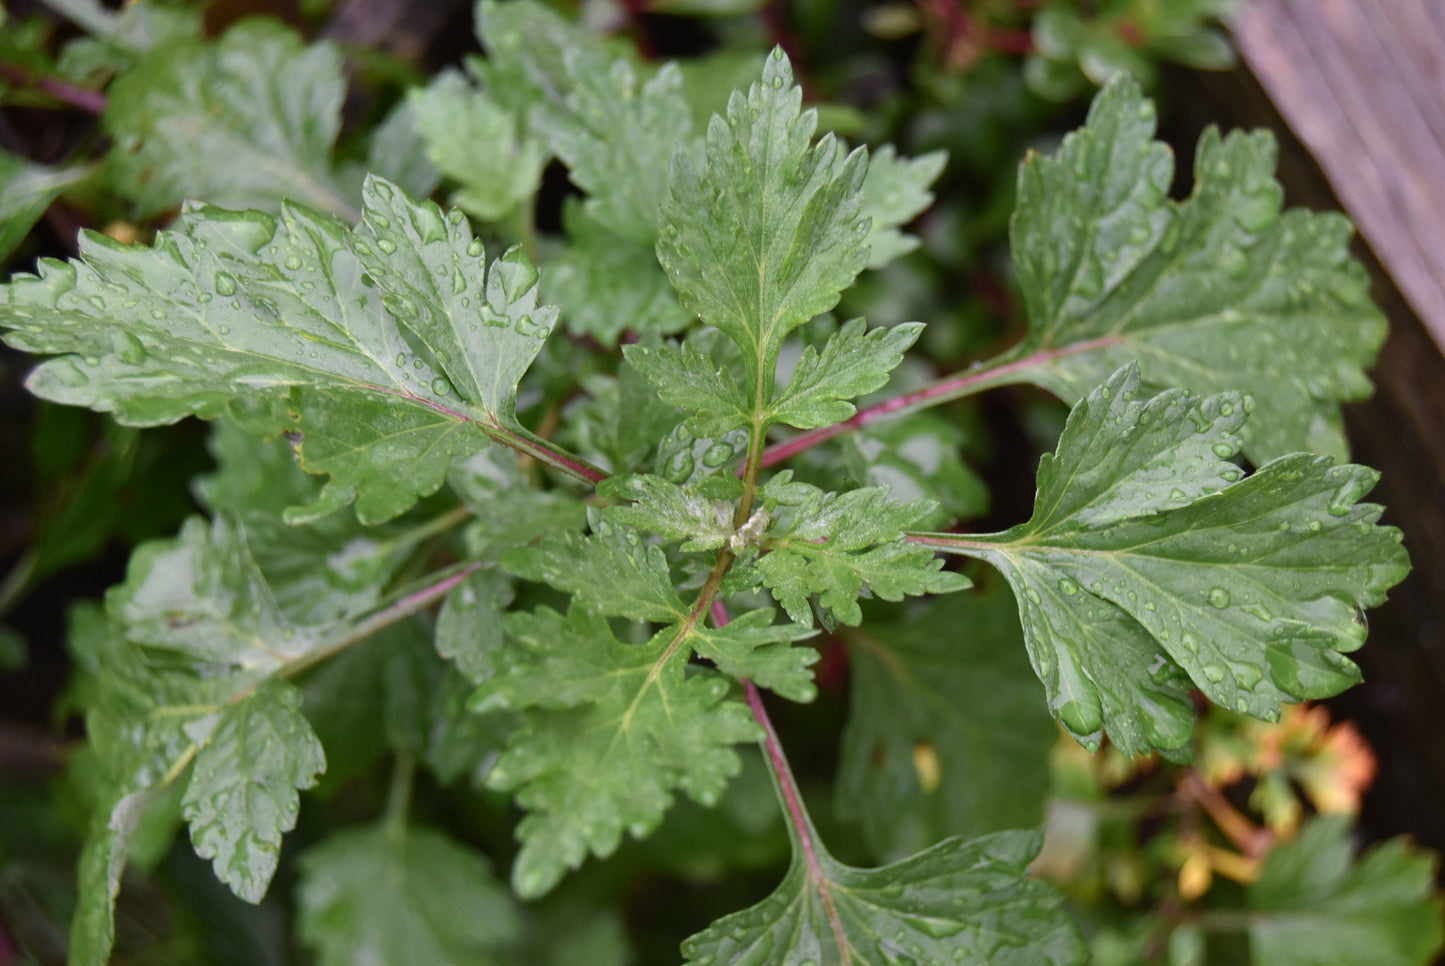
{"x":717,"y":454}
{"x":401,"y":358}
{"x":1218,"y":597}
{"x":1223,"y":450}
{"x":474,"y":248}
{"x":1346,"y":497}
{"x":386,"y":245}
{"x":224,"y":329}
{"x":440,"y":386}
{"x":225,"y":284}
{"x":1081,"y":717}
{"x":1241,"y":705}
{"x":293,"y":262}
{"x":680,"y":469}
{"x":204,"y":297}
{"x":1213,"y":672}
{"x":459,"y":283}
{"x":97,"y":301}
{"x":777,"y":53}
{"x":1069,"y":589}
{"x":777,"y":83}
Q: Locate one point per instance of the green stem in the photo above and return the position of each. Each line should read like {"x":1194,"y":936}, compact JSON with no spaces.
{"x":16,"y":581}
{"x":398,"y":797}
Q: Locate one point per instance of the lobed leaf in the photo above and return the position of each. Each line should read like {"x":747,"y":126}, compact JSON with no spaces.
{"x":609,"y":730}
{"x":671,"y":511}
{"x":894,"y":192}
{"x":753,"y":647}
{"x":384,"y":894}
{"x":769,"y":231}
{"x":967,"y":902}
{"x":1312,"y":905}
{"x":688,"y":379}
{"x":853,"y":362}
{"x":202,"y":595}
{"x":475,"y":142}
{"x":253,"y":756}
{"x":617,"y":134}
{"x":836,"y":545}
{"x":1218,"y":292}
{"x":244,"y":122}
{"x":609,"y":572}
{"x":1148,"y":555}
{"x":399,"y":351}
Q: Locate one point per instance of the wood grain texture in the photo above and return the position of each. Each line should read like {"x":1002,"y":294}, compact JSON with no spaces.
{"x":1363,"y":85}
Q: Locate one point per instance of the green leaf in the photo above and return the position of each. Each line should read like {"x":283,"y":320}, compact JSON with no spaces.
{"x":1218,"y":292}
{"x":617,"y":137}
{"x":202,"y":595}
{"x":317,"y":572}
{"x":769,"y":232}
{"x":527,"y":45}
{"x":137,"y":27}
{"x":852,"y":362}
{"x":966,"y":902}
{"x":673,"y":512}
{"x":397,"y":152}
{"x":940,"y":697}
{"x":1313,"y":906}
{"x":753,"y":647}
{"x":1147,"y":554}
{"x":609,"y":731}
{"x":609,"y":572}
{"x":393,"y":894}
{"x":607,"y":285}
{"x":26,"y":190}
{"x":393,"y":369}
{"x":916,"y":457}
{"x":244,"y":123}
{"x":509,"y":512}
{"x":895,"y":191}
{"x":254,"y":755}
{"x":621,"y":424}
{"x":135,"y":724}
{"x":834,"y":545}
{"x":475,"y":142}
{"x":688,"y":379}
{"x":469,"y":627}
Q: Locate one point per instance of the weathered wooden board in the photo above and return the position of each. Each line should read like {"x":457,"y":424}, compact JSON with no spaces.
{"x":1362,"y":82}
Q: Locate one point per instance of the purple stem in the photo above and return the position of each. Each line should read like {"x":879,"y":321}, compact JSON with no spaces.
{"x":783,"y":774}
{"x":87,"y":100}
{"x":944,"y":390}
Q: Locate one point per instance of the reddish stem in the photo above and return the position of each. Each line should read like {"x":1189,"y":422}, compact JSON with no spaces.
{"x":87,"y":100}
{"x":783,"y":775}
{"x":944,"y":390}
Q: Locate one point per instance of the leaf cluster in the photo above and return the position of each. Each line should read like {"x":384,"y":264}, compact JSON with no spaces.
{"x":520,"y":518}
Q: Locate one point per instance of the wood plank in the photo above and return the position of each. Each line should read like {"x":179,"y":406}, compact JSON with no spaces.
{"x":1363,"y":86}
